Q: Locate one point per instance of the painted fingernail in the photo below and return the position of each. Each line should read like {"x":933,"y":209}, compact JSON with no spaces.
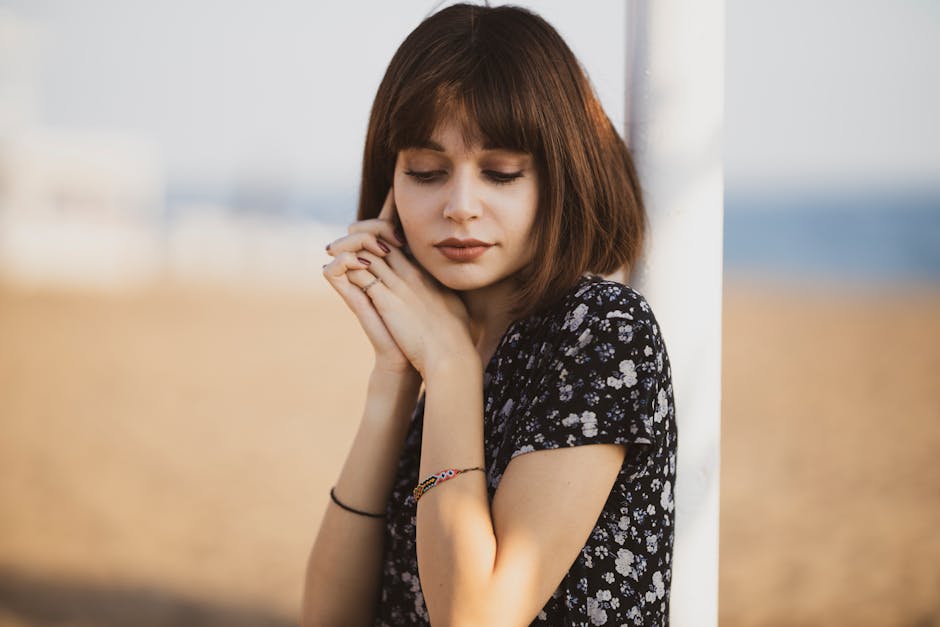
{"x":365,"y":261}
{"x":400,"y":235}
{"x":328,"y":247}
{"x":384,"y":246}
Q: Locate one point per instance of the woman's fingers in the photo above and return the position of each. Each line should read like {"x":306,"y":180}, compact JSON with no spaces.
{"x":389,"y":213}
{"x":347,"y":274}
{"x":380,"y":228}
{"x":362,"y":240}
{"x":405,"y":268}
{"x":388,"y":207}
{"x":362,"y":267}
{"x":378,"y":235}
{"x":343,"y":263}
{"x":365,"y":280}
{"x":393,"y":268}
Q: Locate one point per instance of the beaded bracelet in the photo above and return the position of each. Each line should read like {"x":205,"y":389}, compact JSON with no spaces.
{"x":437,"y":478}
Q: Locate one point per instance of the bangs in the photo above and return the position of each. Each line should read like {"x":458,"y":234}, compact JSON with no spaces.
{"x":489,"y":107}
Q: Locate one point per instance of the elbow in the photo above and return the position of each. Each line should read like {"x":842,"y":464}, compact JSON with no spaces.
{"x":462,"y":620}
{"x":467,"y":612}
{"x":315,"y":620}
{"x":455,"y":608}
{"x":476,"y":619}
{"x":501,"y":604}
{"x":313,"y":616}
{"x":322,"y":614}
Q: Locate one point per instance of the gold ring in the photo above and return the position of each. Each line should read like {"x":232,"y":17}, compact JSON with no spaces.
{"x":365,"y":288}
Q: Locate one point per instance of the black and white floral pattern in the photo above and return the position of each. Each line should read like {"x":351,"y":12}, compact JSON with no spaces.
{"x":592,"y":370}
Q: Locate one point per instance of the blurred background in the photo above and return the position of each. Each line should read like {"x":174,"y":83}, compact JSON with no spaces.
{"x":178,"y":386}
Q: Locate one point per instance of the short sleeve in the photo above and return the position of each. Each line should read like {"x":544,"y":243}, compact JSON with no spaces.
{"x":599,"y":381}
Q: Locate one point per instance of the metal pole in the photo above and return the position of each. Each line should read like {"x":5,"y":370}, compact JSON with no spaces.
{"x":674,"y":117}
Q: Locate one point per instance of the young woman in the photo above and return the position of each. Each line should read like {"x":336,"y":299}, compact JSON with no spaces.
{"x":531,"y":480}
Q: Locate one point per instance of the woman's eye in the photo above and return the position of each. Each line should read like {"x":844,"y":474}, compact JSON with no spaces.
{"x":502,"y":177}
{"x":425,"y":176}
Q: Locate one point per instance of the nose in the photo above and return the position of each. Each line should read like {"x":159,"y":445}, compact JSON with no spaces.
{"x":462,"y":203}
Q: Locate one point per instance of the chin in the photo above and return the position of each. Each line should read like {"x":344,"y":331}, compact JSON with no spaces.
{"x":467,"y":281}
{"x":462,"y":283}
{"x":464,"y":277}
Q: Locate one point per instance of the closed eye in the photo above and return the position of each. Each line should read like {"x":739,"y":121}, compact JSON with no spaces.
{"x":425,"y":176}
{"x":501,"y":178}
{"x":430,"y":176}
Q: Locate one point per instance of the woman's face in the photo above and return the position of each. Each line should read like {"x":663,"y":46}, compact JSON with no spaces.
{"x":451,"y":190}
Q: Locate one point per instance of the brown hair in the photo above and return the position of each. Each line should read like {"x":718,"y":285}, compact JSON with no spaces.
{"x":506,"y":74}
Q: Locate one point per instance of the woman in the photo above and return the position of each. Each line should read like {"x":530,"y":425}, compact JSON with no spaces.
{"x":531,"y":480}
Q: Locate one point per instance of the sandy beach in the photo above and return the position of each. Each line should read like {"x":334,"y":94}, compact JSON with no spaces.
{"x":167,"y":453}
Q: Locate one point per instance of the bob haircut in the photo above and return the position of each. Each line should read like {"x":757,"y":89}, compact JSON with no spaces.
{"x":508,"y":79}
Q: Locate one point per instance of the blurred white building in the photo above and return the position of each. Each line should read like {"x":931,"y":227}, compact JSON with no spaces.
{"x":76,"y":206}
{"x":87,"y":207}
{"x":79,"y":207}
{"x":209,"y":244}
{"x":19,"y":72}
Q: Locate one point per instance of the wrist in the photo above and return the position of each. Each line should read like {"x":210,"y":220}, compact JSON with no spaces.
{"x":393,"y":367}
{"x":393,"y":383}
{"x":452,"y":363}
{"x":394,"y":375}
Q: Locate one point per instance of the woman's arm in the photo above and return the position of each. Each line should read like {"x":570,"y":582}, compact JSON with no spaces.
{"x":344,"y":567}
{"x":498,"y":568}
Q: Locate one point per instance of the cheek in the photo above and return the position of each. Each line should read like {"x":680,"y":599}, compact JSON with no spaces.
{"x":413,"y":206}
{"x":521,"y":218}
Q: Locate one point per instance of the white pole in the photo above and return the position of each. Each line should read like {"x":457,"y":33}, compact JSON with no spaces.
{"x":674,"y":115}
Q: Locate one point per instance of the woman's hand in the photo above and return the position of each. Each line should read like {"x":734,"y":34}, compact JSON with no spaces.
{"x":348,"y":253}
{"x":427,"y":321}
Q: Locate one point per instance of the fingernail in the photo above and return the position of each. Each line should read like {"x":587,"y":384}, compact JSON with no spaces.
{"x":384,"y":247}
{"x":400,"y":235}
{"x":365,"y":261}
{"x":328,"y":247}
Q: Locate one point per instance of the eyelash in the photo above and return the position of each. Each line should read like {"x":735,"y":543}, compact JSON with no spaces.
{"x":430,"y":176}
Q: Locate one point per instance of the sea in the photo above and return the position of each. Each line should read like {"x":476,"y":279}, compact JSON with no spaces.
{"x":863,"y":237}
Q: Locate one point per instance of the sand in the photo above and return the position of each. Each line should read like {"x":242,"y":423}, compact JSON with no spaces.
{"x":830,"y":504}
{"x":167,"y":453}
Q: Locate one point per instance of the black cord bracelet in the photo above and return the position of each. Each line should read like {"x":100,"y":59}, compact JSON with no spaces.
{"x":351,"y":509}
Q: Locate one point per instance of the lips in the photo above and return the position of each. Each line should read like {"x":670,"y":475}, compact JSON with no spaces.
{"x":462,"y":249}
{"x":453,"y":242}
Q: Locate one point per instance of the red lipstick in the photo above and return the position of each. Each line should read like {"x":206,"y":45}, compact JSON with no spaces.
{"x":462,"y":249}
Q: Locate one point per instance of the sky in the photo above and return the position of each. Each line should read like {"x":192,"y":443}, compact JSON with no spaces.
{"x":836,"y":91}
{"x":817,"y":93}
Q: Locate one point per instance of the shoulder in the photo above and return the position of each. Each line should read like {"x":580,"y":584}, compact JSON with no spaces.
{"x":603,"y":306}
{"x":595,"y":294}
{"x":598,"y":325}
{"x":594,"y":369}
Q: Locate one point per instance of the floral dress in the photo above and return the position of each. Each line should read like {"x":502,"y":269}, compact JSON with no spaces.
{"x":593,"y":369}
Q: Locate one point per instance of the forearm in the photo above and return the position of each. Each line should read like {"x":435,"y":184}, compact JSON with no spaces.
{"x":344,"y":566}
{"x":456,"y":544}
